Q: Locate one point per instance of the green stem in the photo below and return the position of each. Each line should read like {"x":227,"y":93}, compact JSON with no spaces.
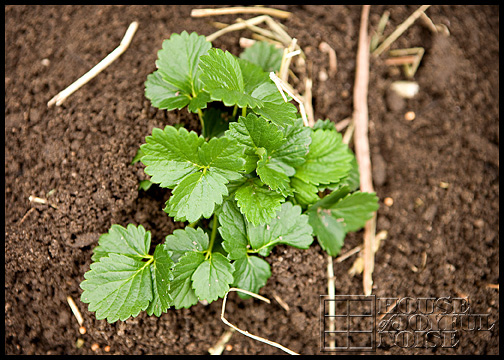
{"x":244,"y":111}
{"x":193,"y":224}
{"x":200,"y":114}
{"x":212,"y":237}
{"x":151,"y":259}
{"x":235,"y":110}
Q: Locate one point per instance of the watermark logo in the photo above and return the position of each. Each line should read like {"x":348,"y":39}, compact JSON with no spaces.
{"x":365,"y":323}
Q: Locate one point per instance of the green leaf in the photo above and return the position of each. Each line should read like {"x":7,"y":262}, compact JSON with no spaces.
{"x":137,"y":157}
{"x":257,"y":202}
{"x":288,"y":227}
{"x":328,"y":159}
{"x":324,"y":125}
{"x":239,"y":82}
{"x":131,"y":241}
{"x":279,"y":163}
{"x":339,"y":213}
{"x":254,"y":133}
{"x":198,"y":171}
{"x":186,"y":240}
{"x":215,"y":123}
{"x":293,"y":151}
{"x":330,"y":231}
{"x":144,"y":185}
{"x":196,"y":196}
{"x":176,"y":83}
{"x":181,"y":290}
{"x":233,"y":229}
{"x":163,"y":95}
{"x":117,"y":287}
{"x":170,"y":155}
{"x":352,"y":179}
{"x":304,"y":193}
{"x":265,"y":55}
{"x":251,"y":273}
{"x":161,"y":276}
{"x":212,"y":278}
{"x":223,"y":80}
{"x":282,"y":114}
{"x":273,"y":175}
{"x":355,"y":209}
{"x":242,"y":238}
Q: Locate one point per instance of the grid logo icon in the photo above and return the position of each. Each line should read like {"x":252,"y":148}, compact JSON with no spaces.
{"x":347,"y":323}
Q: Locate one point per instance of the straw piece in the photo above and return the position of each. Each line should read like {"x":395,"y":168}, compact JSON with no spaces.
{"x":246,"y":333}
{"x":109,"y":59}
{"x":240,"y":10}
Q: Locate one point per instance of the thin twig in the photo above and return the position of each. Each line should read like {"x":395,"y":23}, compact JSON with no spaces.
{"x":26,"y":215}
{"x":218,"y":348}
{"x":286,"y":60}
{"x":282,"y":303}
{"x":342,"y":124}
{"x":237,"y":26}
{"x":281,"y":34}
{"x":331,"y":290}
{"x":308,"y":102}
{"x":376,"y":38}
{"x":345,"y":256}
{"x":259,"y":30}
{"x":400,"y":30}
{"x":240,"y":10}
{"x":38,"y":200}
{"x":109,"y":59}
{"x":281,"y":85}
{"x":246,"y":333}
{"x":75,"y":310}
{"x":333,"y":60}
{"x":360,"y":119}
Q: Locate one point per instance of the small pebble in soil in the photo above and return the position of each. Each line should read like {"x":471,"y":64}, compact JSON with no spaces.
{"x":410,"y":116}
{"x":95,"y":347}
{"x":82,"y":330}
{"x":388,"y":201}
{"x":106,"y":348}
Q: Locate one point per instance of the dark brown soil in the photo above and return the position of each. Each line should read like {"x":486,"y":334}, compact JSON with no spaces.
{"x":441,"y":169}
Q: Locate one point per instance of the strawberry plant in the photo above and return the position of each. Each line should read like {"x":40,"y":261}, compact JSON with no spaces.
{"x":254,"y":171}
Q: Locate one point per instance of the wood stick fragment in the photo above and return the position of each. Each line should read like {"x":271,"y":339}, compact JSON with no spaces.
{"x":400,"y":60}
{"x":282,"y":303}
{"x":307,"y":100}
{"x":258,"y":30}
{"x":342,"y":124}
{"x":376,"y":38}
{"x":109,"y":59}
{"x":493,"y":286}
{"x":75,"y":310}
{"x":331,"y":290}
{"x":400,"y":30}
{"x":241,"y":10}
{"x":282,"y":85}
{"x":286,"y":60}
{"x":345,"y":256}
{"x":333,"y":60}
{"x":26,"y":215}
{"x":360,"y":119}
{"x":219,"y":347}
{"x":237,"y":26}
{"x":246,"y":333}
